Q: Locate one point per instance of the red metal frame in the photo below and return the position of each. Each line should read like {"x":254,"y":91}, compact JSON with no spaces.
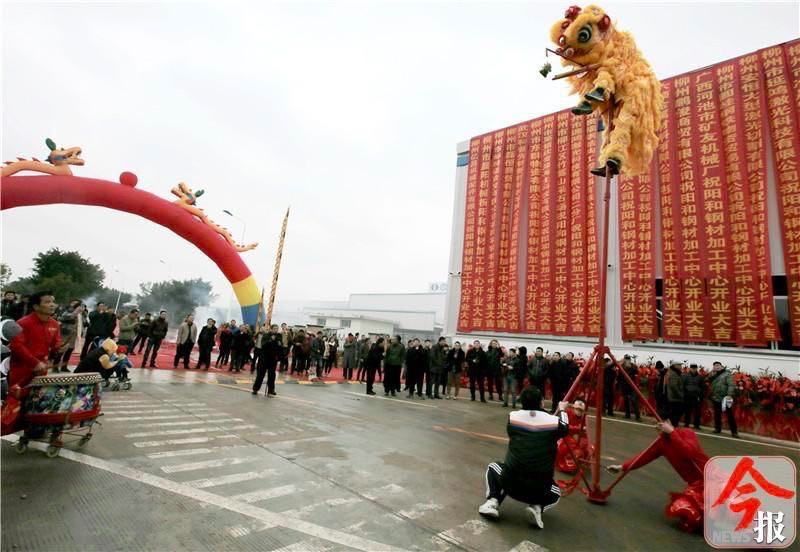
{"x":594,"y":367}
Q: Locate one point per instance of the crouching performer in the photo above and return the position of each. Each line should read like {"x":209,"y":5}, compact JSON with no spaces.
{"x":682,"y":450}
{"x":527,"y":474}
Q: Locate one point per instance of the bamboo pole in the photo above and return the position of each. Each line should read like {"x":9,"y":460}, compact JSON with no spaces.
{"x":277,"y":270}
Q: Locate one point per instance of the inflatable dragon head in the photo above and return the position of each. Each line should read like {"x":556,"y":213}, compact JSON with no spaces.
{"x":581,"y":36}
{"x":63,"y":156}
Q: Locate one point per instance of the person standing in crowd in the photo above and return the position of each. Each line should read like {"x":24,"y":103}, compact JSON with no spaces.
{"x":661,"y":392}
{"x":8,"y":308}
{"x":373,"y":361}
{"x":187,"y":337}
{"x":392,"y":363}
{"x":572,"y":370}
{"x":24,"y":307}
{"x":298,"y":359}
{"x":609,"y":380}
{"x":69,"y":318}
{"x":416,"y":358}
{"x":270,"y":354}
{"x":693,"y":393}
{"x":158,"y":331}
{"x":317,"y":350}
{"x":477,"y":365}
{"x":629,"y":394}
{"x":287,"y":338}
{"x":242,"y":345}
{"x":559,"y":379}
{"x":438,"y":370}
{"x":101,"y":324}
{"x":142,"y":333}
{"x":522,"y":373}
{"x":723,"y":390}
{"x":40,"y":338}
{"x":426,"y":367}
{"x":674,"y":390}
{"x":494,"y":375}
{"x":349,"y":357}
{"x":363,"y":351}
{"x":537,"y":370}
{"x":510,"y":365}
{"x":527,"y":473}
{"x":205,"y":342}
{"x":455,"y":364}
{"x":225,"y":341}
{"x":127,"y":329}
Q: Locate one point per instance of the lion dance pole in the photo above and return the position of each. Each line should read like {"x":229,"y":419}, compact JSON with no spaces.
{"x":277,"y":270}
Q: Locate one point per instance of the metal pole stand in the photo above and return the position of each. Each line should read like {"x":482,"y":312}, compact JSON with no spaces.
{"x":595,"y":365}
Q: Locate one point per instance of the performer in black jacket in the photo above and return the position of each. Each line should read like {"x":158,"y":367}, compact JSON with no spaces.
{"x":527,"y":473}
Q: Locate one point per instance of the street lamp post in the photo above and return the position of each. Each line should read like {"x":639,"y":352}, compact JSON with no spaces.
{"x":244,"y":229}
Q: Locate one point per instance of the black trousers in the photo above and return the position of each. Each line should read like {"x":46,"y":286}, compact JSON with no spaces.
{"x":140,"y":340}
{"x":495,"y":383}
{"x":182,"y":352}
{"x":531,"y":490}
{"x":608,"y":400}
{"x":414,"y":379}
{"x":370,"y":377}
{"x":718,"y":418}
{"x":153,"y":345}
{"x":476,"y":376}
{"x":391,"y":378}
{"x":224,"y":355}
{"x":205,"y":357}
{"x":692,"y":407}
{"x":62,"y":359}
{"x":631,"y":397}
{"x":435,"y":379}
{"x":86,"y":342}
{"x":265,"y":369}
{"x":675,"y":412}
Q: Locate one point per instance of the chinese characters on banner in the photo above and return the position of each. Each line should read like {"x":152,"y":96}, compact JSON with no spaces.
{"x":781,"y":70}
{"x":492,"y":243}
{"x":560,"y":261}
{"x":576,"y":257}
{"x":465,"y":323}
{"x":534,"y":197}
{"x":637,"y":258}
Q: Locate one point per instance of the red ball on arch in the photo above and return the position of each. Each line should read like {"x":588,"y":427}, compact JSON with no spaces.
{"x":128,"y":179}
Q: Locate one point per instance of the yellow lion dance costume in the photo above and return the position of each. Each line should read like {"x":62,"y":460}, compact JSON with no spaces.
{"x":588,"y":37}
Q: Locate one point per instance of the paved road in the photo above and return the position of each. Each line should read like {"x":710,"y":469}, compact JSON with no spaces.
{"x":186,"y":462}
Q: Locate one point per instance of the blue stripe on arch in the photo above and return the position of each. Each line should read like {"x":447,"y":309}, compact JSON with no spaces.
{"x":249,"y":314}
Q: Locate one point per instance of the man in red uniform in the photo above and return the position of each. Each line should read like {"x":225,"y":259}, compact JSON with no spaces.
{"x":40,"y":337}
{"x":682,"y":450}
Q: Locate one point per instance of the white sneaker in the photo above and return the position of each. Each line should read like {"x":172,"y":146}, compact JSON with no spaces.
{"x":534,"y":515}
{"x":489,"y":508}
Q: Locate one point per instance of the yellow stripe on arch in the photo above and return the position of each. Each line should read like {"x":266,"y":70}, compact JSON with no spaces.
{"x":247,"y":292}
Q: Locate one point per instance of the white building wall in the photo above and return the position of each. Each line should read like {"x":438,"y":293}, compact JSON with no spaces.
{"x":426,"y":302}
{"x":750,"y":360}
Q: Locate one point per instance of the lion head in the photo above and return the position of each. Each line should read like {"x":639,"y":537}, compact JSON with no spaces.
{"x":582,"y":34}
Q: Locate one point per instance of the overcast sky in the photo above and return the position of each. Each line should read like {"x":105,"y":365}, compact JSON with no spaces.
{"x":348,"y":112}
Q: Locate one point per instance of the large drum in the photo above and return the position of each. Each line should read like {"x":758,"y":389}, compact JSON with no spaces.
{"x":63,"y":400}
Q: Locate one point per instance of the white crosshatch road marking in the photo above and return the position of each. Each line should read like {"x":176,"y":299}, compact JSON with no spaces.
{"x":219,"y":462}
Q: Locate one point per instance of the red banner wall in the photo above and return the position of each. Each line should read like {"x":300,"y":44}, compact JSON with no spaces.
{"x":465,"y":323}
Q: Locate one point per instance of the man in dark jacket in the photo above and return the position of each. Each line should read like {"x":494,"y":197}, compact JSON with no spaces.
{"x":225,"y":345}
{"x":723,"y":390}
{"x":477,"y":367}
{"x":373,"y":361}
{"x":205,"y":342}
{"x":101,"y":324}
{"x":537,"y":370}
{"x":693,"y":391}
{"x":9,"y":305}
{"x":392,"y":361}
{"x":629,"y":394}
{"x":142,"y":333}
{"x":673,"y":384}
{"x":158,"y":331}
{"x":270,"y":354}
{"x":559,"y":379}
{"x":416,"y":360}
{"x":438,"y":372}
{"x":661,"y":393}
